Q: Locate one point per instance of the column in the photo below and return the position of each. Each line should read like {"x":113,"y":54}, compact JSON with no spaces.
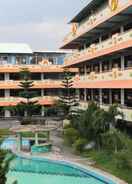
{"x":6,"y":76}
{"x":42,"y":76}
{"x":122,"y":97}
{"x":122,"y":29}
{"x":110,"y":96}
{"x":7,"y":95}
{"x":85,"y":95}
{"x":48,"y":136}
{"x":42,"y":92}
{"x":92,"y":97}
{"x":100,"y":67}
{"x":122,"y":62}
{"x":36,"y":138}
{"x":43,"y":111}
{"x":19,"y":142}
{"x":85,"y":70}
{"x":100,"y":39}
{"x":100,"y":96}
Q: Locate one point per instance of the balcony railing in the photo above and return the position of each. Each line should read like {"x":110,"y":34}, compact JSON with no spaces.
{"x":115,"y":74}
{"x":35,"y":68}
{"x":95,"y":19}
{"x":45,"y":100}
{"x":95,"y":49}
{"x":10,"y":84}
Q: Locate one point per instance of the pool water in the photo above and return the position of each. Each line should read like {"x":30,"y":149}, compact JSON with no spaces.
{"x":38,"y":171}
{"x":11,"y":144}
{"x":43,"y":171}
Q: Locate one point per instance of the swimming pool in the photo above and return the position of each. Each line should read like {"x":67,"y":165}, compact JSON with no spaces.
{"x":11,"y":144}
{"x":43,"y":171}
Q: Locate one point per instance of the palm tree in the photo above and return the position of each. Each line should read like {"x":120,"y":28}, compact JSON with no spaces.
{"x":4,"y":165}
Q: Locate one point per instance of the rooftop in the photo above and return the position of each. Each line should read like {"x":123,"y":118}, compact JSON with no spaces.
{"x":86,"y":11}
{"x":15,"y":48}
{"x":53,"y":51}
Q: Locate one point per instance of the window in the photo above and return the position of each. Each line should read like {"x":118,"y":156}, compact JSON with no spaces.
{"x":96,"y":95}
{"x":3,"y":60}
{"x":116,"y":96}
{"x":105,"y":96}
{"x":128,"y":97}
{"x":21,"y":60}
{"x":128,"y":61}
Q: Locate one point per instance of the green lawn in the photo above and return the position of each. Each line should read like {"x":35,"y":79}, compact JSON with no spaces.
{"x":108,"y":162}
{"x":6,"y":133}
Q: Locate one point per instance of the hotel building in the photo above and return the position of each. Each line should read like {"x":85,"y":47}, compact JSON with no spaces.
{"x":101,"y":38}
{"x":46,"y":69}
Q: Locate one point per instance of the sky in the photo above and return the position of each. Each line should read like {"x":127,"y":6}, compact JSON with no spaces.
{"x":40,"y":23}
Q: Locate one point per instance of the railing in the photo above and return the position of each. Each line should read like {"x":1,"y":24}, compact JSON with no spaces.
{"x":7,"y":101}
{"x":93,"y":20}
{"x":95,"y":48}
{"x":8,"y":84}
{"x":115,"y":74}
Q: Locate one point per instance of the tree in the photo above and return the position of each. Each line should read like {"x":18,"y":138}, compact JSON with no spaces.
{"x":94,"y":122}
{"x":4,"y":165}
{"x":69,"y":97}
{"x":27,"y":106}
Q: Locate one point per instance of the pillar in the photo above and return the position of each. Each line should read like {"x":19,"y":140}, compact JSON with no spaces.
{"x":6,"y":76}
{"x":122,"y":62}
{"x":19,"y":142}
{"x":42,"y":92}
{"x":36,"y":138}
{"x":100,"y":67}
{"x":7,"y":94}
{"x":85,"y":71}
{"x":42,"y":111}
{"x":122,"y":29}
{"x":100,"y":40}
{"x":92,"y":97}
{"x":85,"y":95}
{"x":42,"y":76}
{"x":122,"y":97}
{"x":100,"y":96}
{"x":110,"y":96}
{"x":48,"y":136}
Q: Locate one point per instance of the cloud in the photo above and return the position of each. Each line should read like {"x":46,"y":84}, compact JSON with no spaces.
{"x":45,"y":35}
{"x":40,"y":23}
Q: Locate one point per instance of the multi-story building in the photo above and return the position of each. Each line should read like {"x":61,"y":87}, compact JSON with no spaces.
{"x":101,"y":37}
{"x":46,"y":69}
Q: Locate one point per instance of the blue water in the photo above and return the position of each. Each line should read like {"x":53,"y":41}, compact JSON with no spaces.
{"x":10,"y":143}
{"x":42,"y":171}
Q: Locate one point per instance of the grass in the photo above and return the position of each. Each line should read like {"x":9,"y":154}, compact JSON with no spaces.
{"x":6,"y":133}
{"x":108,"y":162}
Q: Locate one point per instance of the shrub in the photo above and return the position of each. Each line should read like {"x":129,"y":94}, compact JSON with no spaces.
{"x":66,"y":126}
{"x":79,"y":144}
{"x":113,"y":140}
{"x":123,"y":161}
{"x":70,"y":136}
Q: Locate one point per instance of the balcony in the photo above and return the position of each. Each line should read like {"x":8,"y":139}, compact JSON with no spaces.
{"x":13,"y":101}
{"x":116,"y":43}
{"x":34,"y":68}
{"x":115,"y":74}
{"x":93,"y":21}
{"x":45,"y":84}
